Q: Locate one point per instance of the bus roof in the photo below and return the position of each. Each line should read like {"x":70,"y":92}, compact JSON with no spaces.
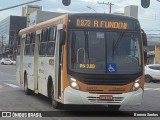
{"x":44,"y":24}
{"x":62,"y":18}
{"x":102,"y":15}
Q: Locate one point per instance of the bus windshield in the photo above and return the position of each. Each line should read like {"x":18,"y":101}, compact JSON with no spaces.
{"x":109,"y":52}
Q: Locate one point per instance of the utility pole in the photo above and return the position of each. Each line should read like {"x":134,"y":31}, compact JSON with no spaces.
{"x":2,"y":37}
{"x":109,"y":3}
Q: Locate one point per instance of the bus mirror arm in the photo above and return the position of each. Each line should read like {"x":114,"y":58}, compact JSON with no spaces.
{"x":62,"y":37}
{"x":144,"y":38}
{"x":145,"y":58}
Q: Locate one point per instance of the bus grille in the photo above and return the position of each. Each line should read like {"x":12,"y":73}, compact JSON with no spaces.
{"x":97,"y":100}
{"x":107,"y":81}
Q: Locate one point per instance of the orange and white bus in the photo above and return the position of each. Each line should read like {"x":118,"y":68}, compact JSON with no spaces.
{"x":84,"y":59}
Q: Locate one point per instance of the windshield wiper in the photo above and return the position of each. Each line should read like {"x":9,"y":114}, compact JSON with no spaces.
{"x":86,"y":47}
{"x":115,"y":45}
{"x":73,"y":56}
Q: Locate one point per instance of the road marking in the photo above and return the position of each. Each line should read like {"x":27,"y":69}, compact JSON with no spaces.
{"x":151,"y":89}
{"x":11,"y":85}
{"x":147,"y":88}
{"x":7,"y":73}
{"x":156,"y":88}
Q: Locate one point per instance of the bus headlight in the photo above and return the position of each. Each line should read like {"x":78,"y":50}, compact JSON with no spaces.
{"x":136,"y":85}
{"x":73,"y":83}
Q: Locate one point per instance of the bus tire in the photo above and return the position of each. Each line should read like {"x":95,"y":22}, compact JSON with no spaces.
{"x":55,"y":104}
{"x":26,"y":89}
{"x":113,"y":107}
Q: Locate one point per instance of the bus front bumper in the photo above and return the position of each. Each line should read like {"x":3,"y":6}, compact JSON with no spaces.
{"x":72,"y":96}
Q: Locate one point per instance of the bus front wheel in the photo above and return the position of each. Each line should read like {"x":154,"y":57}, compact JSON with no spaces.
{"x":55,"y":103}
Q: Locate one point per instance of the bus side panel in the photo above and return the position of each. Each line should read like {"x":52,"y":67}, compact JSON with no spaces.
{"x":29,"y":68}
{"x":40,"y":73}
{"x":44,"y":71}
{"x":18,"y":69}
{"x":20,"y":74}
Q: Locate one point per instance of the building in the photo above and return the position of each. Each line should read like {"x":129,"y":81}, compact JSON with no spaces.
{"x":131,"y":10}
{"x":153,"y":50}
{"x":40,"y":16}
{"x":117,"y":13}
{"x":27,"y":10}
{"x":157,"y":54}
{"x":35,"y":14}
{"x":9,"y":29}
{"x":153,"y":38}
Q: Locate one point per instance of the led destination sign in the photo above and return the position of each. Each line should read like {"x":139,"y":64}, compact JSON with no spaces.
{"x":101,"y":24}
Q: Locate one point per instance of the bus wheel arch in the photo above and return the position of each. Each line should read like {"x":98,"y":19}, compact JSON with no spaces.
{"x":50,"y":82}
{"x":50,"y":89}
{"x":26,"y":89}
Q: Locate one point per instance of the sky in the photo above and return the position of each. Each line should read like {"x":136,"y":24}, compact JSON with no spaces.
{"x":149,"y":17}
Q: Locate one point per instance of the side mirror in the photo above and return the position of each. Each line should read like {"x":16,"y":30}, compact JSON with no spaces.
{"x":144,"y":37}
{"x":62,"y":37}
{"x":145,"y":58}
{"x":145,"y":3}
{"x":66,"y":2}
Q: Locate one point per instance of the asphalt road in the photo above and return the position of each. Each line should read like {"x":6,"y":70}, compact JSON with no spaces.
{"x":12,"y":98}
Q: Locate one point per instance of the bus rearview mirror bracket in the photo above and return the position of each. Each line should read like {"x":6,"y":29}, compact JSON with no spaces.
{"x":62,"y":37}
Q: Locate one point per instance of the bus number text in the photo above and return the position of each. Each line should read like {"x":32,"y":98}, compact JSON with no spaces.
{"x":91,"y":66}
{"x":83,"y":23}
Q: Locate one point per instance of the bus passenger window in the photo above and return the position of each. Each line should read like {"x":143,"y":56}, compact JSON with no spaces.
{"x":32,"y":37}
{"x":42,"y":49}
{"x":27,"y":39}
{"x":52,"y":34}
{"x":27,"y":50}
{"x":44,"y":35}
{"x":50,"y":48}
{"x":32,"y":46}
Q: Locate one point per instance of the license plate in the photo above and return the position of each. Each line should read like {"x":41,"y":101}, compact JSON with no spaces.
{"x":106,"y":97}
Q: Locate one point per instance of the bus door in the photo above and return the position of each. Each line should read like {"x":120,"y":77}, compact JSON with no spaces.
{"x":58,"y":63}
{"x":21,"y":71}
{"x":36,"y":54}
{"x":42,"y":62}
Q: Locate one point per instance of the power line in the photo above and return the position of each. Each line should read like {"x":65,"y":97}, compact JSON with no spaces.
{"x":92,"y":9}
{"x":109,"y":3}
{"x":84,"y":8}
